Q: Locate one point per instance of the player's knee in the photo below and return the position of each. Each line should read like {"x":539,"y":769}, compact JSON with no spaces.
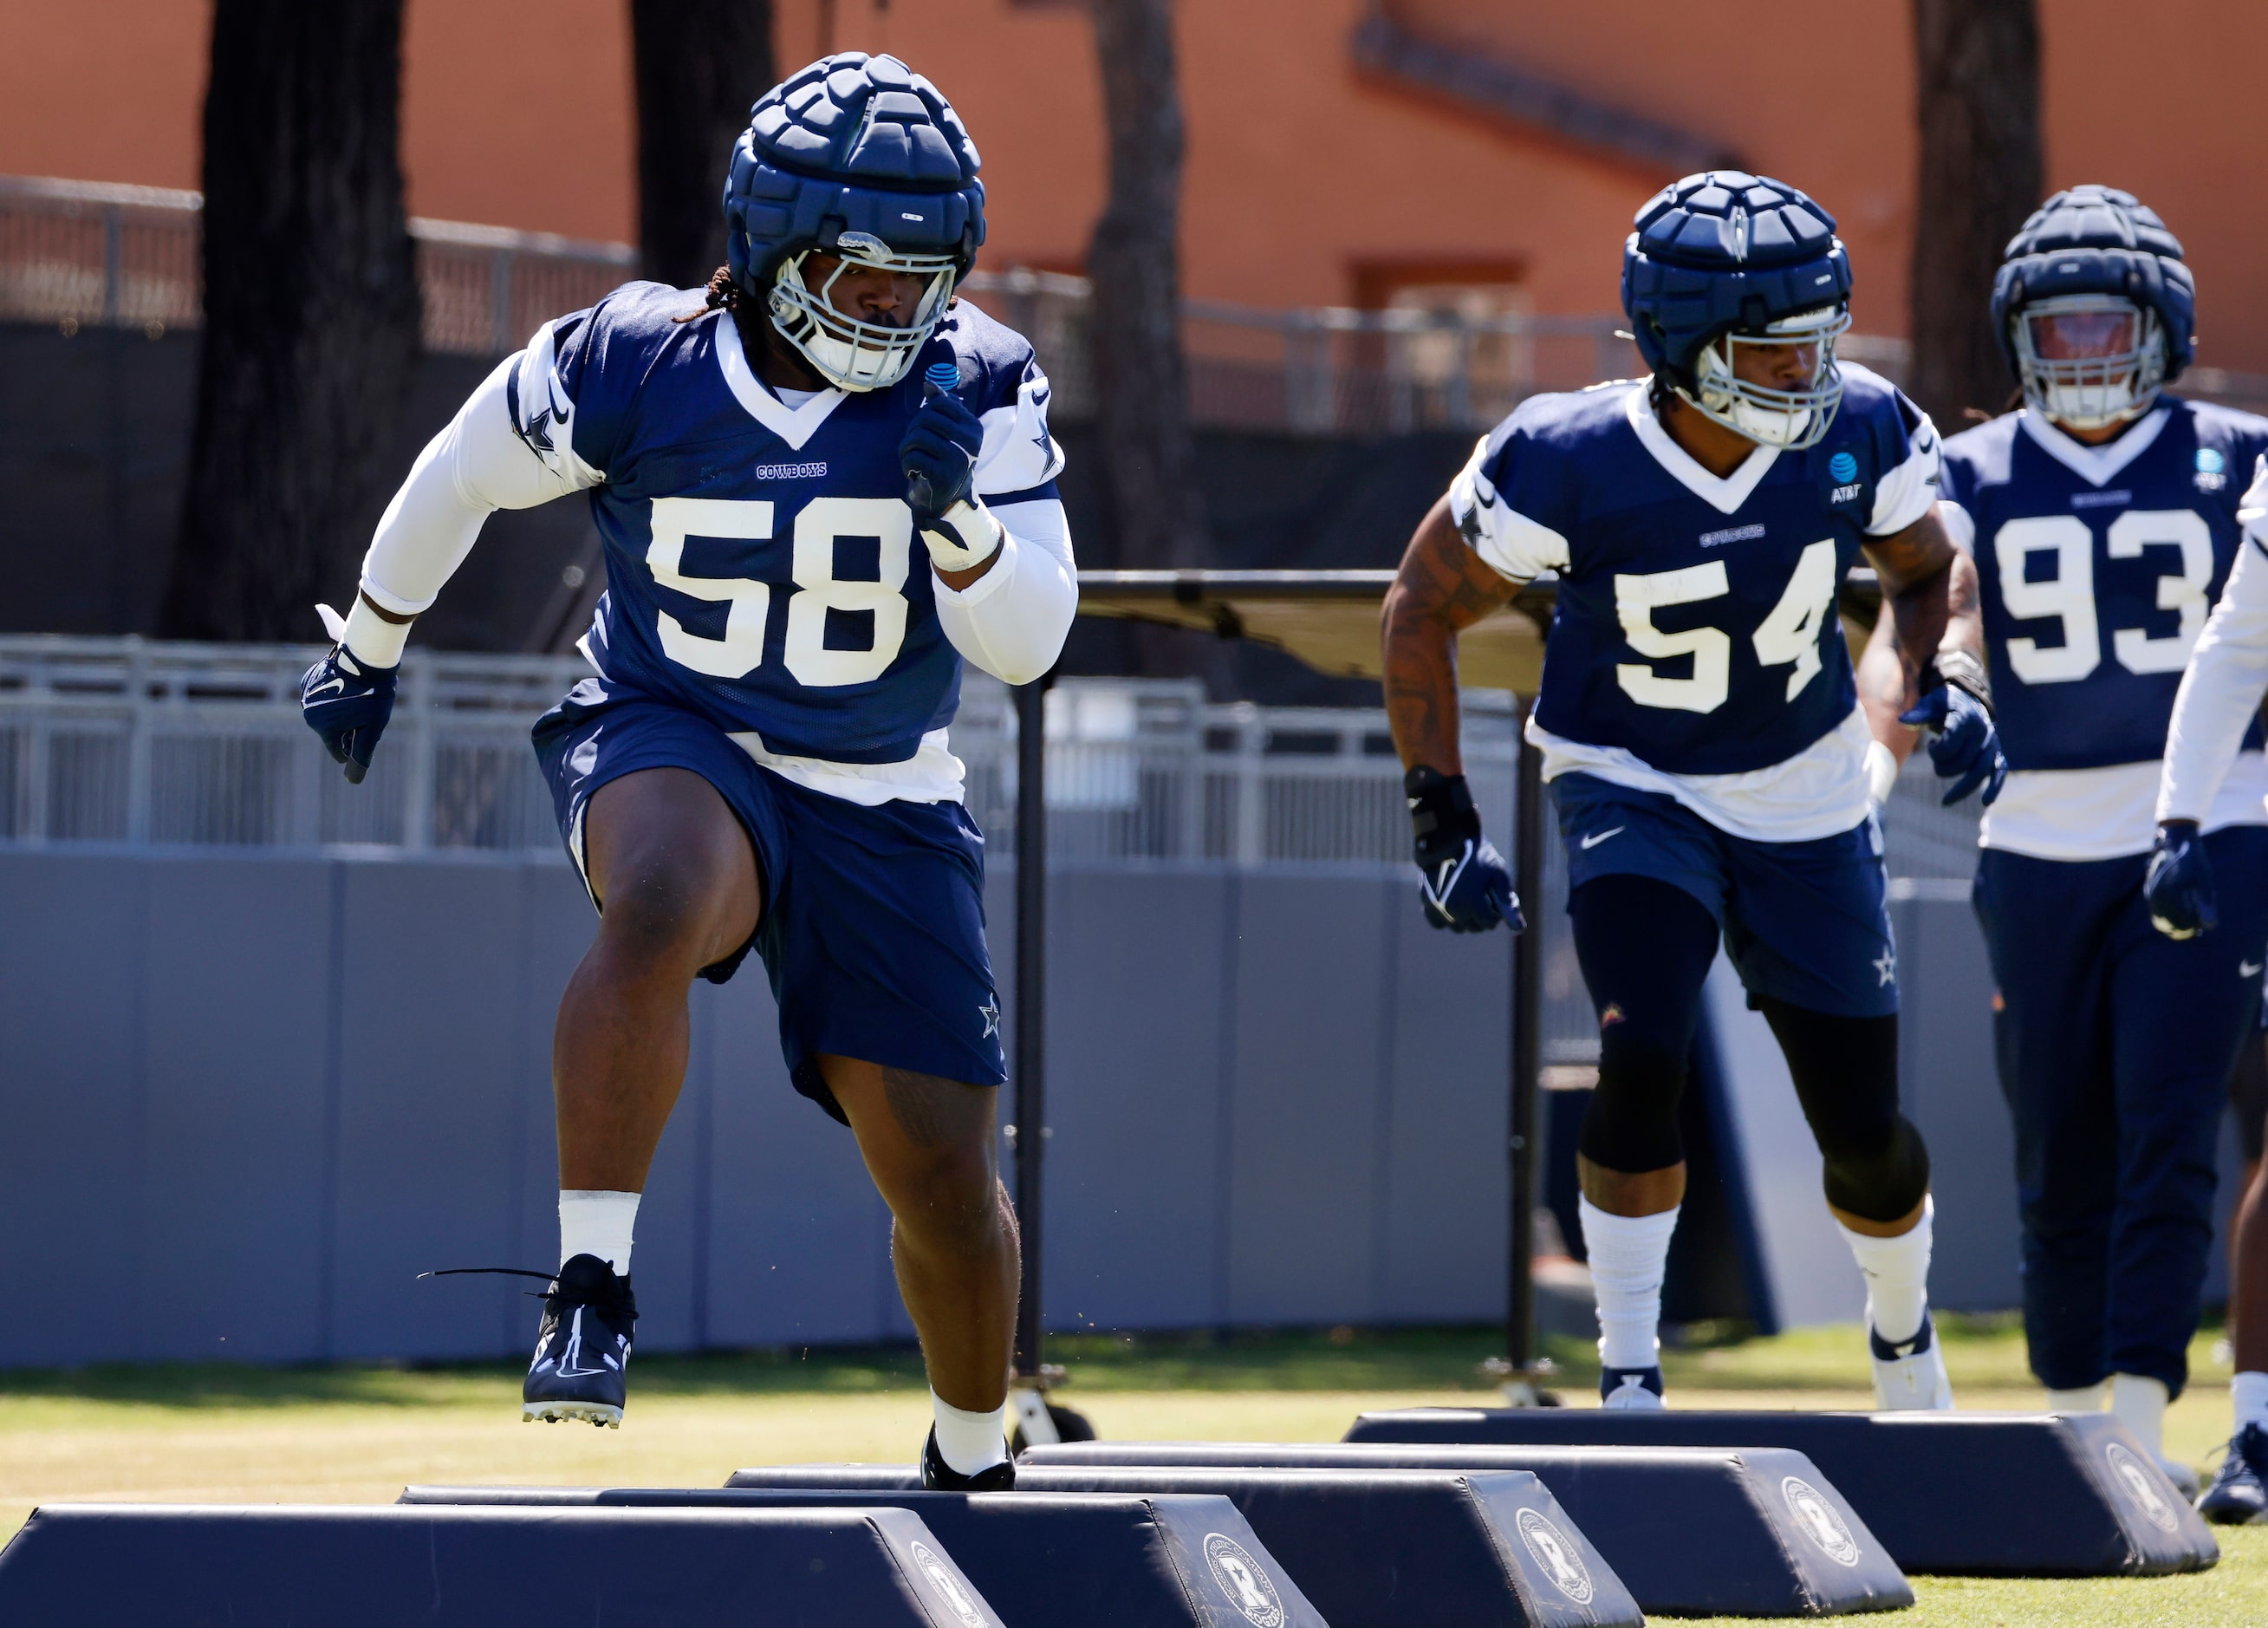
{"x":1880,"y":1177}
{"x":661,"y":916}
{"x":1631,"y":1124}
{"x":950,"y":1201}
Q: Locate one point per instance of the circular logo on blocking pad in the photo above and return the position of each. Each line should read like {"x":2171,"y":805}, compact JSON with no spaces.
{"x":1556,"y":1555}
{"x":941,"y":1578}
{"x":1817,"y":1519}
{"x":2141,"y":1491}
{"x":1239,"y":1576}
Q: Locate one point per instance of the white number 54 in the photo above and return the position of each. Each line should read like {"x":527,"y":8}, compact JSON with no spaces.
{"x":1787,"y":637}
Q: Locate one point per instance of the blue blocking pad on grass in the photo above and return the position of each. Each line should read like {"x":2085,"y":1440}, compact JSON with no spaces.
{"x":1041,"y":1561}
{"x":1389,"y":1551}
{"x":94,"y":1566}
{"x":1689,"y":1532}
{"x":2008,"y":1494}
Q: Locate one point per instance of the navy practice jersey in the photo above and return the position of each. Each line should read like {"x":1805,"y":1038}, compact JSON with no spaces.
{"x":1696,"y":627}
{"x":761,"y":566}
{"x":2097,"y":580}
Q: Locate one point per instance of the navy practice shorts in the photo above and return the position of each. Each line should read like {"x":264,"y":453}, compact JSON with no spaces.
{"x":1806,"y":923}
{"x":874,"y":918}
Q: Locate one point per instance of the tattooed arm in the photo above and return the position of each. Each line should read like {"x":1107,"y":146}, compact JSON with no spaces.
{"x":1929,"y":609}
{"x":1442,"y":588}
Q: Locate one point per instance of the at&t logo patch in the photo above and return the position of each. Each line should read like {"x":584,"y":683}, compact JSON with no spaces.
{"x":1240,"y":1577}
{"x":1817,"y":1519}
{"x":1557,"y":1556}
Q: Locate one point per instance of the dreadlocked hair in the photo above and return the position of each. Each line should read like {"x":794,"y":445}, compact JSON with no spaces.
{"x":723,"y":294}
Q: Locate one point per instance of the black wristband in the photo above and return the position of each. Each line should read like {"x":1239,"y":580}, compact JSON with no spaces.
{"x":1442,"y":818}
{"x":1960,"y":669}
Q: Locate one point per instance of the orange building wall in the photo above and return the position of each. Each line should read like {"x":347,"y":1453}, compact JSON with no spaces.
{"x":1302,"y":177}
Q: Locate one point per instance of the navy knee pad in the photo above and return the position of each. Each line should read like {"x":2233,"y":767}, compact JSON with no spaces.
{"x":1645,"y":948}
{"x":1846,"y":1076}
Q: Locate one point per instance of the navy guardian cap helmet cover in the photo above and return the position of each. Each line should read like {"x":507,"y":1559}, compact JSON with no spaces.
{"x":860,"y":157}
{"x":1725,"y":258}
{"x":2095,"y":249}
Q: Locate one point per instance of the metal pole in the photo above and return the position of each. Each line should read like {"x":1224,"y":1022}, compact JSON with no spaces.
{"x":1527,"y":1014}
{"x":1031,"y":997}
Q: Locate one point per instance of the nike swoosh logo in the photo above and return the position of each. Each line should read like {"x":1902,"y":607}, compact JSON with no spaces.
{"x":2250,"y":968}
{"x":1591,"y":842}
{"x":337,"y":683}
{"x":1040,"y":398}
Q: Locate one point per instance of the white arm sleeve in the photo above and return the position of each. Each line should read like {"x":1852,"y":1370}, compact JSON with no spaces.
{"x":1012,"y":621}
{"x":481,"y":462}
{"x":2222,"y":685}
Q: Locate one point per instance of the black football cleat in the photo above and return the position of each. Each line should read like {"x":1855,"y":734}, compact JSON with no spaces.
{"x":2239,"y":1493}
{"x":939,"y":1476}
{"x":581,"y":1365}
{"x":1630,"y":1388}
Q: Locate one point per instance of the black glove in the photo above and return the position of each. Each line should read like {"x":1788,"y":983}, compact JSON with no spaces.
{"x":2178,"y":886}
{"x":1464,"y":884}
{"x":347,"y":704}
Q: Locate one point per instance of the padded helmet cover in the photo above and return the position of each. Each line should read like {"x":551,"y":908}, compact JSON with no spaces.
{"x":1721,"y":251}
{"x":2098,"y":240}
{"x":852,"y":143}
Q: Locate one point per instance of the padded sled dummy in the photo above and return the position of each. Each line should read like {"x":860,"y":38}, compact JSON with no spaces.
{"x":1732,"y":1556}
{"x":2014,"y":1494}
{"x":1690,"y":1532}
{"x":1042,"y":1562}
{"x":97,"y":1566}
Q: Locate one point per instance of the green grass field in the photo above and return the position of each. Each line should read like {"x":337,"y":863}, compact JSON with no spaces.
{"x":213,"y":1434}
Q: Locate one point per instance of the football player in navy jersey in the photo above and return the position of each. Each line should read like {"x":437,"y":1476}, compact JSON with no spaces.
{"x":822,"y":487}
{"x":1701,"y":729}
{"x":2103,"y":517}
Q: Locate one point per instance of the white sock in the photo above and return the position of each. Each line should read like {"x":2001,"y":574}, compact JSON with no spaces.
{"x":2248,"y":1394}
{"x":2085,"y":1399}
{"x":1628,"y":1253}
{"x":1897,"y":1270}
{"x":2138,"y":1402}
{"x":968,"y":1442}
{"x":596,"y":1222}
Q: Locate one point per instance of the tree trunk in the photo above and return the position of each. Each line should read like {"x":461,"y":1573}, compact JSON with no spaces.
{"x":311,"y":312}
{"x":700,"y":65}
{"x":1148,"y":473}
{"x":1979,"y":79}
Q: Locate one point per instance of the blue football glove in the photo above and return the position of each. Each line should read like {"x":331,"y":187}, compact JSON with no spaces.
{"x":1964,"y":747}
{"x":939,"y":455}
{"x":347,"y":704}
{"x":2178,"y":886}
{"x":1463,"y":884}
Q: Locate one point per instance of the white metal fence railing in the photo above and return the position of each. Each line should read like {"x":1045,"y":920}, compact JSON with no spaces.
{"x":84,"y":253}
{"x":128,"y":740}
{"x":123,"y":741}
{"x":81,"y":254}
